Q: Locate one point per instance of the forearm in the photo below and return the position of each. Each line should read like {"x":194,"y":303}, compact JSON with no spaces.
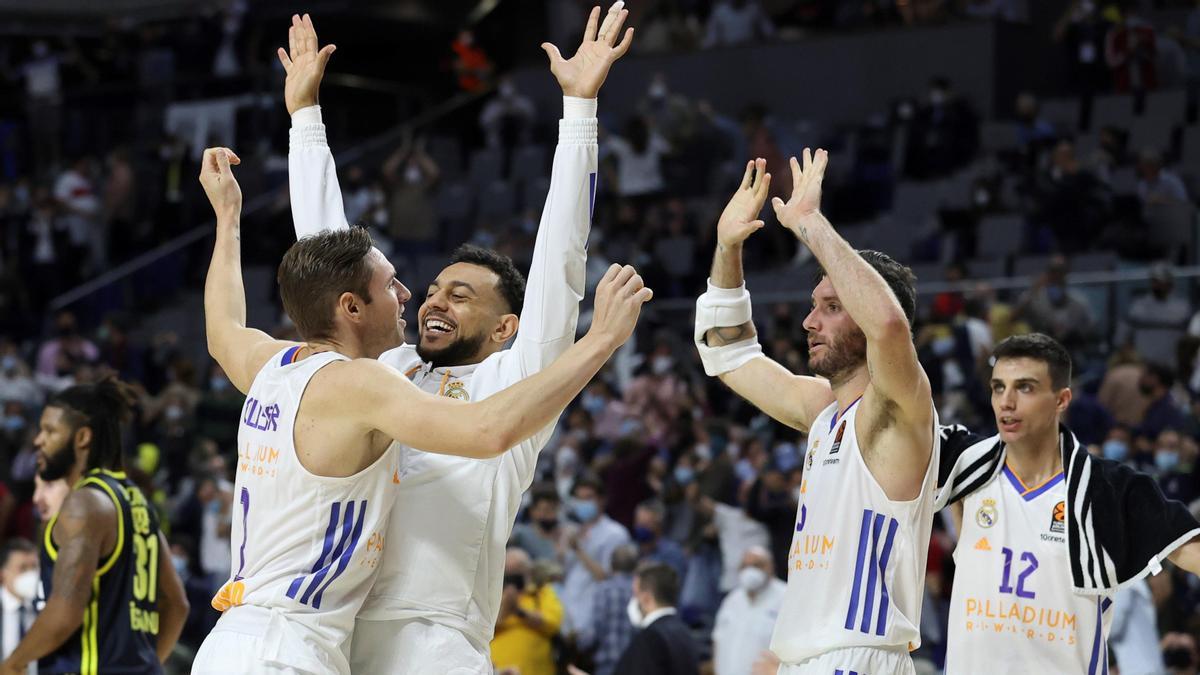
{"x":594,"y":568}
{"x":170,"y":626}
{"x":862,"y":291}
{"x":54,"y":626}
{"x":224,"y":294}
{"x":727,"y":267}
{"x":1188,"y":556}
{"x":316,"y":195}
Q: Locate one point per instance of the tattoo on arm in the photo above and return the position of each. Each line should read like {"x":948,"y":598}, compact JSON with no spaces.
{"x":719,"y":337}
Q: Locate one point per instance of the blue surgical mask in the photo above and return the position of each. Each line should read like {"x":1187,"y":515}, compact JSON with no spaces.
{"x":592,"y":403}
{"x":684,"y":475}
{"x":8,"y":363}
{"x":1055,"y":294}
{"x":584,"y":510}
{"x":1115,"y":450}
{"x":14,"y":423}
{"x":218,"y":384}
{"x":1166,"y":460}
{"x":643,"y":535}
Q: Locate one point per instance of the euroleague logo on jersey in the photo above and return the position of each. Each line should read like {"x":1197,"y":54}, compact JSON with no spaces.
{"x":1058,"y":518}
{"x":987,"y":514}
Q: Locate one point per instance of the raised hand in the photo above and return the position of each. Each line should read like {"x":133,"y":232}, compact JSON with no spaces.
{"x":583,"y":74}
{"x":304,"y":63}
{"x":619,"y":299}
{"x":219,"y":184}
{"x":806,"y":192}
{"x":740,"y":218}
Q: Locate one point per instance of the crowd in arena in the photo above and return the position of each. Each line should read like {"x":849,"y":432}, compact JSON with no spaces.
{"x":655,"y":461}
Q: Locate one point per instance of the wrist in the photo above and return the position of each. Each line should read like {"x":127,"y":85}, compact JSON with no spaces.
{"x":579,"y":106}
{"x":308,"y":112}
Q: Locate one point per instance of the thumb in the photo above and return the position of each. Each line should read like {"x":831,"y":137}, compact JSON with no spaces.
{"x":223,"y":161}
{"x":552,"y":52}
{"x":756,"y":224}
{"x":777,"y":204}
{"x":323,"y":55}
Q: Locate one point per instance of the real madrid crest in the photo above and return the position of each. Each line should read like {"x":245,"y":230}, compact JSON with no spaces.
{"x":457,"y":390}
{"x":811,"y":454}
{"x":987,"y":514}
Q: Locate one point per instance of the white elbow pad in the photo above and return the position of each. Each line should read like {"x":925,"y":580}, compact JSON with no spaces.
{"x":721,"y":360}
{"x":721,"y":308}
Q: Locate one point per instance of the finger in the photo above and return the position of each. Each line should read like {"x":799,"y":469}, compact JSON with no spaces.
{"x":589,"y":31}
{"x":807,"y":159}
{"x":310,"y":33}
{"x":223,"y":161}
{"x":323,"y":55}
{"x":645,"y":295}
{"x":746,"y":176}
{"x":293,"y":49}
{"x":208,"y":163}
{"x":763,"y":189}
{"x":756,"y":225}
{"x":283,"y":59}
{"x":821,"y":161}
{"x":610,"y":17}
{"x":633,"y":285}
{"x":552,"y":53}
{"x":233,"y":158}
{"x":777,"y":204}
{"x":796,"y":175}
{"x":760,"y":167}
{"x":614,"y":31}
{"x":624,"y":275}
{"x":611,"y":274}
{"x":626,"y":42}
{"x":298,"y":30}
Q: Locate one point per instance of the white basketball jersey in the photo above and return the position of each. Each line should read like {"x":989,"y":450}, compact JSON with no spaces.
{"x":304,"y":546}
{"x":1012,"y":608}
{"x":856,"y":569}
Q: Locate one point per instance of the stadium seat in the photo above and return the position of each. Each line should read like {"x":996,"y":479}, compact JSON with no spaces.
{"x":446,"y":152}
{"x":1171,"y":225}
{"x":1030,"y":265}
{"x":1063,"y":113}
{"x":996,"y":136}
{"x":1101,"y":261}
{"x":454,"y":201}
{"x":1124,"y":181}
{"x":987,"y":269}
{"x":1152,"y":132}
{"x":999,"y":236}
{"x":1191,"y":146}
{"x":1115,"y":110}
{"x":498,"y":200}
{"x":1166,"y":105}
{"x":487,"y":166}
{"x":528,"y":162}
{"x":533,"y":192}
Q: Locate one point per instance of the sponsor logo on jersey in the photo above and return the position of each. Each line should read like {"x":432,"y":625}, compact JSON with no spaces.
{"x":457,"y":390}
{"x":987,"y":515}
{"x":983,"y":544}
{"x":1058,"y":517}
{"x":837,"y":440}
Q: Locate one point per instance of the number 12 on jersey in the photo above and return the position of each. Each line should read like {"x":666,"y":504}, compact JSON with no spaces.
{"x":1031,"y":564}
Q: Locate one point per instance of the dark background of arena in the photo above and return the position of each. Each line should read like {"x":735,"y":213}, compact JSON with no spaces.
{"x":1028,"y":185}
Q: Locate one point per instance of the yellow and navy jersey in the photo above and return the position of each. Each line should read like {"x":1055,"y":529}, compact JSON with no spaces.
{"x":120,"y":625}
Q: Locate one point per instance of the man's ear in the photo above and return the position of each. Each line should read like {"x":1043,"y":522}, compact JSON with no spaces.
{"x":505,"y":328}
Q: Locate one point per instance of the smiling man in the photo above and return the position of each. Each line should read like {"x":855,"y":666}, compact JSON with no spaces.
{"x":1047,"y":532}
{"x":434,"y":605}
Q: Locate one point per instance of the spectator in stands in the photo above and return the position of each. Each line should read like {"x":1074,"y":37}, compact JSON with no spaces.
{"x":19,"y":584}
{"x":1120,"y":391}
{"x":1071,"y":201}
{"x":507,"y":119}
{"x":540,"y":536}
{"x":668,"y":113}
{"x":1134,"y":632}
{"x":1162,"y":413}
{"x":666,"y":27}
{"x":587,"y":553}
{"x":16,"y":382}
{"x":76,"y":194}
{"x":1179,"y":654}
{"x":1157,"y":185}
{"x":411,"y":176}
{"x":528,"y":621}
{"x":61,"y":355}
{"x":943,"y":134}
{"x":648,"y":533}
{"x":43,"y":101}
{"x":614,"y":629}
{"x":1131,"y":52}
{"x":737,"y":22}
{"x":1034,"y":132}
{"x":125,"y":235}
{"x":746,"y":618}
{"x":663,"y":646}
{"x":1173,"y":468}
{"x":638,"y":154}
{"x":48,"y":496}
{"x":1156,"y":321}
{"x":471,"y":65}
{"x":1052,"y":308}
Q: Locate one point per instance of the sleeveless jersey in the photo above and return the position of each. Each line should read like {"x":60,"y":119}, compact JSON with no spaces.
{"x":120,"y":624}
{"x":1012,"y":607}
{"x":856,"y":568}
{"x":305,"y":547}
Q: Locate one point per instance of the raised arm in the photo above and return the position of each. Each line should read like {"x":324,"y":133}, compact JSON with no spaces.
{"x":240,"y":350}
{"x":383,"y":400}
{"x":313,"y":185}
{"x":725,"y":334}
{"x":85,"y":518}
{"x":557,"y":273}
{"x":899,"y":387}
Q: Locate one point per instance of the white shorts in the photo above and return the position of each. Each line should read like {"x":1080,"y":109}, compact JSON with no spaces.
{"x":257,"y":641}
{"x":854,"y":661}
{"x":414,"y":647}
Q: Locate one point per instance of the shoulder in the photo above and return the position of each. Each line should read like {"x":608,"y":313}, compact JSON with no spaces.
{"x":86,"y":507}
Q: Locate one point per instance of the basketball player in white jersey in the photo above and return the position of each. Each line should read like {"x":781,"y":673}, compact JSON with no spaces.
{"x":856,"y":569}
{"x":1013,"y":607}
{"x":433,"y":607}
{"x":317,"y":463}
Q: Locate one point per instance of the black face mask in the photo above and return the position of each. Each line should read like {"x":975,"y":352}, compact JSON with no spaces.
{"x":515,"y":580}
{"x":1177,"y":657}
{"x":548,"y":524}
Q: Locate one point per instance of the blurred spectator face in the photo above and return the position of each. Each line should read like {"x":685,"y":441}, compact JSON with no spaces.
{"x":586,"y":505}
{"x":1179,"y":653}
{"x":1149,"y":165}
{"x":206,"y":491}
{"x":658,"y":88}
{"x":65,"y":325}
{"x":19,"y":575}
{"x":462,"y":312}
{"x":179,"y":560}
{"x":647,"y":526}
{"x":1162,"y":281}
{"x":1064,"y":158}
{"x":55,"y":443}
{"x":1026,"y":106}
{"x":48,"y":496}
{"x":1116,"y":446}
{"x":516,"y":569}
{"x":1024,"y":401}
{"x":836,"y":345}
{"x":544,"y":513}
{"x":1166,"y":452}
{"x":756,"y":570}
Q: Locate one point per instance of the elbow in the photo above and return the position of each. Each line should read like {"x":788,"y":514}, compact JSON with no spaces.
{"x":893,"y":326}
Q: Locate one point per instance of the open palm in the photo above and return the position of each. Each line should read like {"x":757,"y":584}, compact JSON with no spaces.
{"x":740,"y":218}
{"x":304,"y":63}
{"x":583,"y":73}
{"x":806,"y":190}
